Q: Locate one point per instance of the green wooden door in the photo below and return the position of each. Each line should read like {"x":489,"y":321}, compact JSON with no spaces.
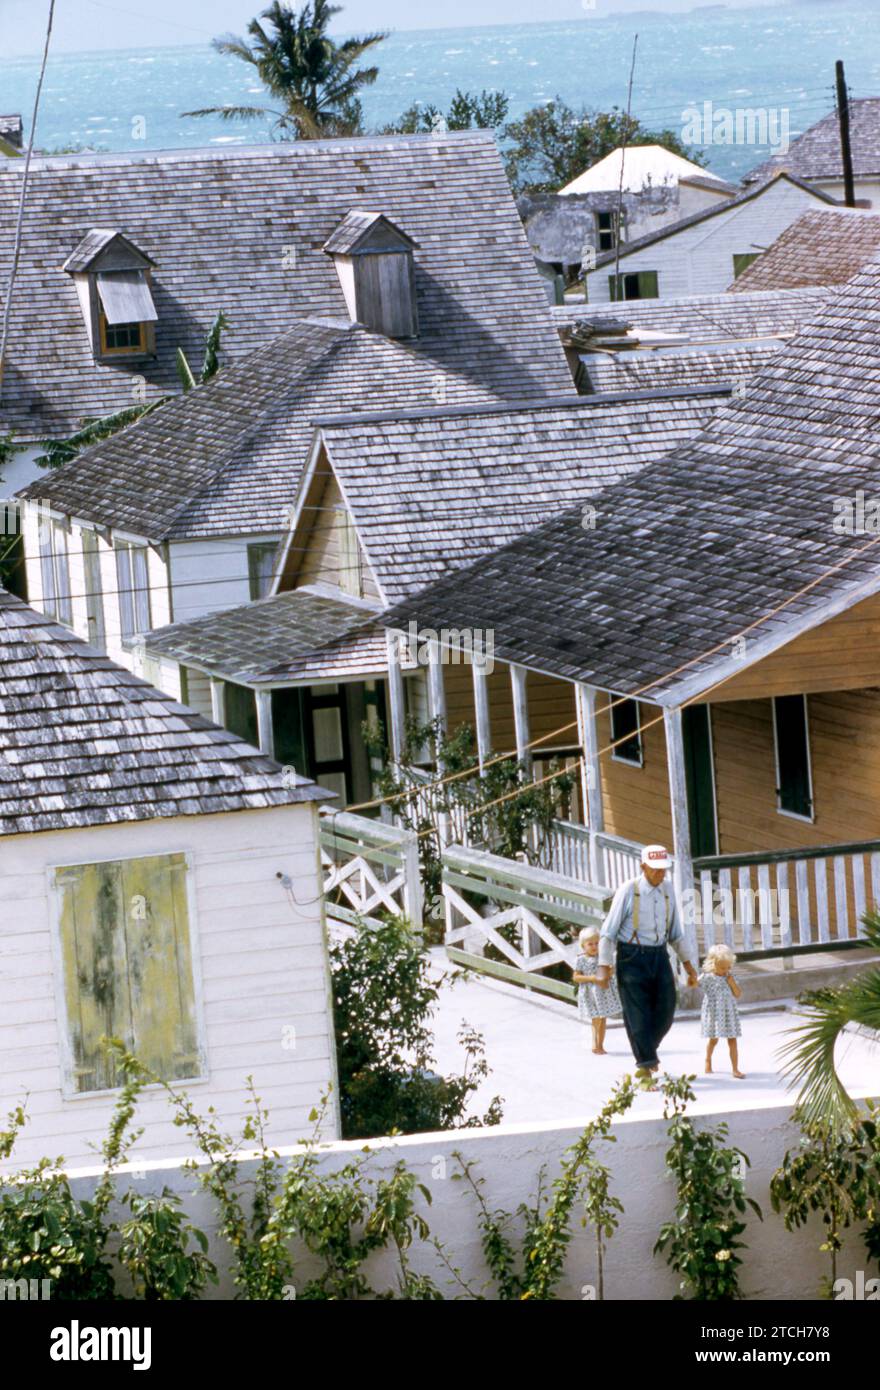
{"x":700,"y":776}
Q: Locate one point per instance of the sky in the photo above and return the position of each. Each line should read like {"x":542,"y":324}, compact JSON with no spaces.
{"x":84,"y":25}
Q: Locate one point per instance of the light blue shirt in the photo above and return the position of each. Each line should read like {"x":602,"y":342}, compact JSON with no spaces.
{"x":656,"y":905}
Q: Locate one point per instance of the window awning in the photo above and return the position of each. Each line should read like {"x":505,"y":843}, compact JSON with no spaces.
{"x":125,"y":297}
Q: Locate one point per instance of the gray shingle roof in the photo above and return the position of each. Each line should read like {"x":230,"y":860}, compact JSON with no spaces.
{"x":243,"y":231}
{"x":816,"y":153}
{"x":704,"y":215}
{"x":824,"y":247}
{"x":353,"y":229}
{"x":730,"y":364}
{"x":276,"y":638}
{"x":430,"y":493}
{"x":703,"y":318}
{"x":708,"y":540}
{"x":84,"y":742}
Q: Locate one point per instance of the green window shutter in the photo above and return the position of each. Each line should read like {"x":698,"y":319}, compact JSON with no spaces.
{"x":128,"y":969}
{"x":648,"y":284}
{"x":240,"y":703}
{"x":742,"y":261}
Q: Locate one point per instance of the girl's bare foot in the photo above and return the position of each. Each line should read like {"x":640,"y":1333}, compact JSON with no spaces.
{"x":708,"y":1066}
{"x":740,"y":1074}
{"x":600,"y":1052}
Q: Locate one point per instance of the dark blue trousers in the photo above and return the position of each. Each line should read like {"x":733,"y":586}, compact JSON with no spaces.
{"x":647,"y":993}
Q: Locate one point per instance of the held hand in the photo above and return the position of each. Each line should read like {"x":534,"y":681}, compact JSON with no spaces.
{"x":603,"y":976}
{"x":692,"y":977}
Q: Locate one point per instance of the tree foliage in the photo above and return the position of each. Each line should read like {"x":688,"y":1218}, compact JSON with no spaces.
{"x":483,"y":110}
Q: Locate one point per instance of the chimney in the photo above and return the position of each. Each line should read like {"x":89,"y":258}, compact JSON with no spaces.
{"x":374,"y":262}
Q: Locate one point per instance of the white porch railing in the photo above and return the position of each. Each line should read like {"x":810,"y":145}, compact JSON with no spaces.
{"x":530,"y":916}
{"x":369,"y":867}
{"x":606,"y":860}
{"x":788,"y":898}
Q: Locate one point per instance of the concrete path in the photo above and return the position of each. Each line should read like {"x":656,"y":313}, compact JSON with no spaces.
{"x":542,"y":1064}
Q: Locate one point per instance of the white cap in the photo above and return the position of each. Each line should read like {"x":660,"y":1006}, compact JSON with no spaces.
{"x":655,"y":857}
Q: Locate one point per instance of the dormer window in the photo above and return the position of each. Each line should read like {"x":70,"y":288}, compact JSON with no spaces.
{"x":374,"y":262}
{"x":112,"y":279}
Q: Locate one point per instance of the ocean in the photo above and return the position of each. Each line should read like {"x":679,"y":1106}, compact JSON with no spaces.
{"x":779,"y":58}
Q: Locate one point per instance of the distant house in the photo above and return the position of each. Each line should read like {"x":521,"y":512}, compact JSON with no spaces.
{"x":589,"y":213}
{"x":705,"y":253}
{"x":129,"y":257}
{"x":815,"y":156}
{"x":385,"y":505}
{"x":825,"y":247}
{"x":160,"y":882}
{"x":11,"y":135}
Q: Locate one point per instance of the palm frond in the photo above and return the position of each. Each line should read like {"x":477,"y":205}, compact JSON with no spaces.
{"x":184,"y":370}
{"x":211,"y":360}
{"x":233,"y":113}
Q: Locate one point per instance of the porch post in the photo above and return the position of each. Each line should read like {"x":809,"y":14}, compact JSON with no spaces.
{"x":591,"y":780}
{"x":681,"y":832}
{"x":436,"y":690}
{"x":518,"y":675}
{"x":218,"y":702}
{"x":396,"y":698}
{"x":266,"y":733}
{"x":481,"y":709}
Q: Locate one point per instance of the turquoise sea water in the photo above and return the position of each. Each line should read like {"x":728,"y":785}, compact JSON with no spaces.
{"x":779,"y":57}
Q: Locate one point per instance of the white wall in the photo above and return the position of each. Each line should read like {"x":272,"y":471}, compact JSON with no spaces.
{"x":262,"y":962}
{"x":778,"y":1265}
{"x":21,"y":470}
{"x":210,"y":575}
{"x":699,"y":259}
{"x":867,"y":189}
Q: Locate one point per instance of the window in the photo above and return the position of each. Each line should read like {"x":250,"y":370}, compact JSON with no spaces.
{"x":261,"y":567}
{"x":121,"y":337}
{"x":350,"y":575}
{"x":127,"y":969}
{"x":94,"y":599}
{"x":126,"y":312}
{"x":240,"y":706}
{"x":743,"y":261}
{"x":633,"y":284}
{"x":794,"y":781}
{"x":625,"y":726}
{"x":55,"y":572}
{"x":607,"y":229}
{"x":134,"y":589}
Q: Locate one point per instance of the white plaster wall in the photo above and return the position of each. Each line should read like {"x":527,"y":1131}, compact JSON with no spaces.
{"x":699,"y":259}
{"x":21,"y":470}
{"x":261,"y":958}
{"x":778,"y":1264}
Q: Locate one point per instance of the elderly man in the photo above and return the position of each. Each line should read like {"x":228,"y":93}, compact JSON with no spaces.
{"x":643,"y":920}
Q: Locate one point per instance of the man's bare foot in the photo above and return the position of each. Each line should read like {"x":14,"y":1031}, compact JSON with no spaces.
{"x":740,"y":1074}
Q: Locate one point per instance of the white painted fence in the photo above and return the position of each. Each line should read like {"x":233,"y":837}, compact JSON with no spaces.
{"x":370,"y":867}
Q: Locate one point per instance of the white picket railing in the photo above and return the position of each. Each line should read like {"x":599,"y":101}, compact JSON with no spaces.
{"x":369,"y":867}
{"x":530,"y":916}
{"x":590,"y":857}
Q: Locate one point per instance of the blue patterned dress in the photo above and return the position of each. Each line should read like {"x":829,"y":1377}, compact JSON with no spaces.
{"x":594,"y":1002}
{"x":720,"y":1017}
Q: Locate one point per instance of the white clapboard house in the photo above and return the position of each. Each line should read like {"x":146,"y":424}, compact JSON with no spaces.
{"x":704,"y":253}
{"x":160,"y":884}
{"x":815,"y":155}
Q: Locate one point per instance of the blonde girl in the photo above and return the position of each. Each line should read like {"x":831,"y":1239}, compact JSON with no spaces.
{"x":720,"y":1016}
{"x":595,"y":1003}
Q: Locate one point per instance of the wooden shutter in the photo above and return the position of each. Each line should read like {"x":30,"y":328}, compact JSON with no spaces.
{"x":795,"y":791}
{"x":128,"y":969}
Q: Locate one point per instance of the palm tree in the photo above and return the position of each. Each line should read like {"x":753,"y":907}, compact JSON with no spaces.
{"x":823,"y":1098}
{"x":313,"y":79}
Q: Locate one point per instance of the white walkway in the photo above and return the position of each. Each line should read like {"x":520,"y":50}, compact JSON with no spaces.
{"x":542,"y":1064}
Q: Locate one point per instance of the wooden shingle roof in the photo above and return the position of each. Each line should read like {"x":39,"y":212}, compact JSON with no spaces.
{"x":430,"y":491}
{"x":243,"y":231}
{"x":723,"y":532}
{"x":823,"y":247}
{"x":816,"y":153}
{"x":727,"y":364}
{"x":702,"y":318}
{"x":276,"y":639}
{"x":84,"y":742}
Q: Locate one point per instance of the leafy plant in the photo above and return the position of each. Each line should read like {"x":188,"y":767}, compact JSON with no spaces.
{"x":553,"y":143}
{"x":313,"y":79}
{"x":535,"y":1270}
{"x":823,"y":1100}
{"x":155,"y":1250}
{"x":467,"y":110}
{"x":383,"y":998}
{"x":500,"y":808}
{"x":836,"y":1174}
{"x":702,"y":1243}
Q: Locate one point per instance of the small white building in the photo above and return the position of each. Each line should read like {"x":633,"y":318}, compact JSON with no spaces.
{"x":816,"y":155}
{"x":649,"y":168}
{"x":161,"y":884}
{"x":705,"y":253}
